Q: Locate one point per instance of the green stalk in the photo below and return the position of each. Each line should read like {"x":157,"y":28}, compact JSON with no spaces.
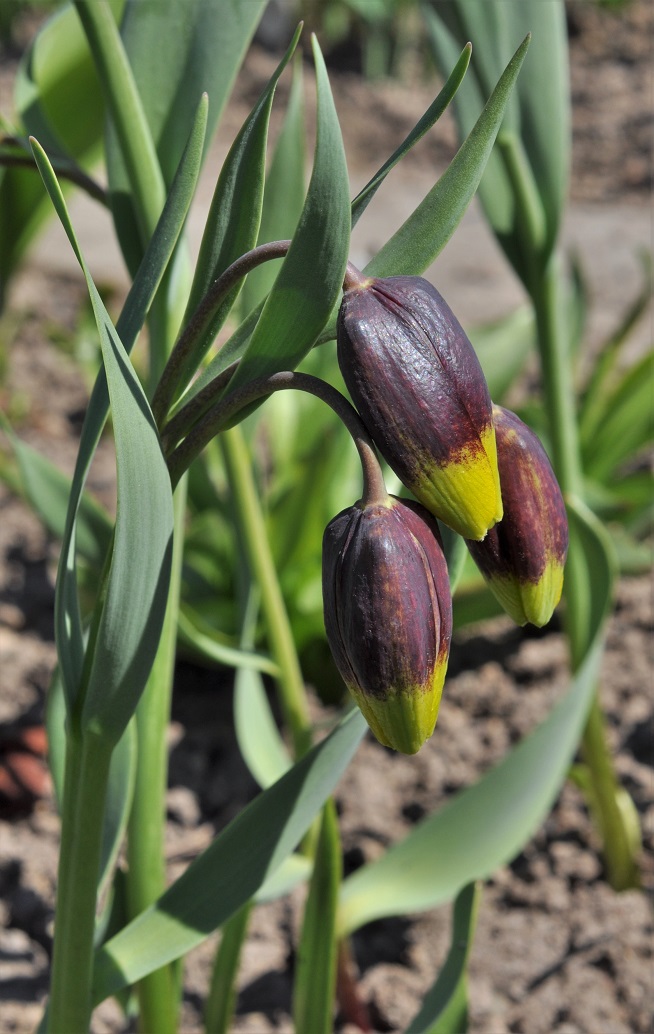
{"x":219,"y":1007}
{"x":255,"y":537}
{"x":124,"y":104}
{"x":315,"y":981}
{"x":146,"y":878}
{"x":85,"y":790}
{"x":604,"y":789}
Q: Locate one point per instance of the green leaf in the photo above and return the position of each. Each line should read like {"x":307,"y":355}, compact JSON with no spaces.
{"x":137,"y":582}
{"x":259,"y":741}
{"x":47,"y":490}
{"x":590,"y":573}
{"x":444,"y":1007}
{"x":315,"y":977}
{"x":431,"y":116}
{"x":232,"y":226}
{"x":483,"y":827}
{"x":120,"y":785}
{"x":57,"y":99}
{"x":199,"y":48}
{"x":311,"y":276}
{"x":284,"y":194}
{"x":57,"y":92}
{"x":231,"y":870}
{"x":537,"y":118}
{"x":68,"y":625}
{"x":426,"y":231}
{"x":202,"y":638}
{"x":178,"y":51}
{"x":625,"y":423}
{"x":601,"y":383}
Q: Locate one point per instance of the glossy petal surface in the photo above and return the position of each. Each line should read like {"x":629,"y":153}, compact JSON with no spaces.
{"x":416,"y":380}
{"x":522,"y":558}
{"x":388,"y":616}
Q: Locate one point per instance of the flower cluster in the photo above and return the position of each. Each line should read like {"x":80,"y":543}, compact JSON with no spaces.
{"x":416,"y":381}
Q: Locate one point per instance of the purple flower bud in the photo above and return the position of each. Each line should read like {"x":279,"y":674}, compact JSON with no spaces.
{"x":388,"y":616}
{"x":522,"y":558}
{"x":416,"y":381}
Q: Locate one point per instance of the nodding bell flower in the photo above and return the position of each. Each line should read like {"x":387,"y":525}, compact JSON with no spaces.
{"x":388,"y":616}
{"x":522,"y":558}
{"x":417,"y":383}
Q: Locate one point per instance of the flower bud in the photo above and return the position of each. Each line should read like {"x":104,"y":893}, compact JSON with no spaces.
{"x":522,"y":558}
{"x":388,"y":616}
{"x":416,"y":381}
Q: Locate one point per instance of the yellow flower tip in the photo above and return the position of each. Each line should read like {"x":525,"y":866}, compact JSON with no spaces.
{"x":539,"y":600}
{"x":404,"y":720}
{"x":465,"y":493}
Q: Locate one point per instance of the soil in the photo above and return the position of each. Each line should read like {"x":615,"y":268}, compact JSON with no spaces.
{"x":556,"y":950}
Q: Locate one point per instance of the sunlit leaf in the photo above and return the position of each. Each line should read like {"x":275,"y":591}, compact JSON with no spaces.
{"x":426,"y":231}
{"x":483,"y":826}
{"x":311,"y":276}
{"x":134,"y":598}
{"x":259,"y":740}
{"x":444,"y":1007}
{"x":232,"y":869}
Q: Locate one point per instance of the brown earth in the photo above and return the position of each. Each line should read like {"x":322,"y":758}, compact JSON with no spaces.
{"x":556,"y":949}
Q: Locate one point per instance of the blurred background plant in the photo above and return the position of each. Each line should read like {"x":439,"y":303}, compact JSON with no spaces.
{"x":288,"y":468}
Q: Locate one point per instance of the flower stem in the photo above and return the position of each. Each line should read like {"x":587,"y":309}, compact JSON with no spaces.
{"x":145,"y":842}
{"x":255,"y":537}
{"x":183,"y":352}
{"x":224,"y":412}
{"x":85,"y":790}
{"x":604,"y":790}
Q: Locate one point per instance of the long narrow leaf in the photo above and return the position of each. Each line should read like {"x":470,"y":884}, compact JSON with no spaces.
{"x":538,"y":115}
{"x":480,"y":829}
{"x":232,"y":869}
{"x":258,"y":738}
{"x":424,"y":234}
{"x":284,"y":194}
{"x":199,"y":47}
{"x":432,"y":114}
{"x":311,"y":276}
{"x":232,"y":225}
{"x":315,"y":979}
{"x":68,"y":625}
{"x":47,"y":490}
{"x":444,"y":1003}
{"x":137,"y":583}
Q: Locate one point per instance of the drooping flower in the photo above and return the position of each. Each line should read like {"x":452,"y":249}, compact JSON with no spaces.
{"x":388,"y":616}
{"x":522,"y":558}
{"x":416,"y":381}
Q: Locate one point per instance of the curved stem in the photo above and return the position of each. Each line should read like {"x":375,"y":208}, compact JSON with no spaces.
{"x":224,"y":412}
{"x":209,"y":305}
{"x":195,"y":409}
{"x":203,"y":313}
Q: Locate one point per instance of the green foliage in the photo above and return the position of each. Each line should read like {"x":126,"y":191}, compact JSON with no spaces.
{"x":128,"y":82}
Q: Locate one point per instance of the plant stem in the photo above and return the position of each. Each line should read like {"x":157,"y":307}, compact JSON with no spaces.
{"x":207,"y":307}
{"x":219,"y":1007}
{"x":145,"y":844}
{"x":85,"y":789}
{"x":566,"y":456}
{"x":177,"y":366}
{"x":558,"y":388}
{"x":604,"y":793}
{"x":225,"y":411}
{"x":255,"y":537}
{"x":126,"y":110}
